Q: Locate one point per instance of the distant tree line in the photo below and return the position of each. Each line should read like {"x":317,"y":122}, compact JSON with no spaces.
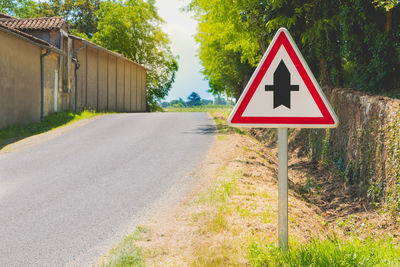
{"x":195,"y":100}
{"x":352,"y":43}
{"x":129,"y":27}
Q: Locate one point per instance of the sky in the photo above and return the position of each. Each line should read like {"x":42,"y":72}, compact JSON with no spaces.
{"x":181,"y":28}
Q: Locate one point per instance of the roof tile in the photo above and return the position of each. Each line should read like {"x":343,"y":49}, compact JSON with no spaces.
{"x":41,"y":24}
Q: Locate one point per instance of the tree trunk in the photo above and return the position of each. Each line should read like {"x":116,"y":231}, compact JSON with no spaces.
{"x":388,"y":24}
{"x":323,"y":72}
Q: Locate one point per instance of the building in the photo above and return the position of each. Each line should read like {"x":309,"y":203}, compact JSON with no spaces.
{"x":44,"y":69}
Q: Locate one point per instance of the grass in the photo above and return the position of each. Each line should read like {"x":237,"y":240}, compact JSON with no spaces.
{"x":215,"y":112}
{"x":329,"y":252}
{"x":55,"y":120}
{"x":226,"y":109}
{"x":126,"y":254}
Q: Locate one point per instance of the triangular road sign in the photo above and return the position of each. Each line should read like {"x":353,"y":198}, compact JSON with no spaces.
{"x":282,"y":92}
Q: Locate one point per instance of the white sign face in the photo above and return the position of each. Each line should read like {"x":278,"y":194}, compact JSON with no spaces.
{"x":283,"y":92}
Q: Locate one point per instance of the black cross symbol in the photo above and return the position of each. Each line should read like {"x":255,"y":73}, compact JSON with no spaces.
{"x":281,"y":86}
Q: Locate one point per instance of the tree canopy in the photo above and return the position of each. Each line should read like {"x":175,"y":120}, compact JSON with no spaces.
{"x":132,"y":28}
{"x":352,"y":43}
{"x":194,"y":99}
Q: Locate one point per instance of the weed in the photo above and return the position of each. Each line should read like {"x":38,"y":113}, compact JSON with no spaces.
{"x":329,"y":252}
{"x":126,"y":253}
{"x":225,"y":109}
{"x":225,"y":253}
{"x":267,"y":216}
{"x":218,"y":222}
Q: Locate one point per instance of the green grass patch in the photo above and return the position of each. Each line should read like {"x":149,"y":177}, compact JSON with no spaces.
{"x":221,"y":190}
{"x":329,"y":252}
{"x":126,"y":254}
{"x":55,"y":120}
{"x":226,"y":109}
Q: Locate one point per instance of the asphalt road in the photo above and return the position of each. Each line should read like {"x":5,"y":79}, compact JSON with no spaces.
{"x":63,"y":202}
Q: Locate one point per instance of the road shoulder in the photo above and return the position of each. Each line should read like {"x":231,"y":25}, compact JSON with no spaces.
{"x":46,"y":136}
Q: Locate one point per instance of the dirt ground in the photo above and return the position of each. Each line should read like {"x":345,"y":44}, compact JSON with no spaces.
{"x":234,"y":204}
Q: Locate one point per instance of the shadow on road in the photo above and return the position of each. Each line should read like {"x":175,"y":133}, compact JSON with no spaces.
{"x":209,"y":129}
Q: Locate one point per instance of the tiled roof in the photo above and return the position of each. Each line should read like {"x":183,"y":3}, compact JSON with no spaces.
{"x":23,"y":34}
{"x":2,"y":15}
{"x":40,"y":24}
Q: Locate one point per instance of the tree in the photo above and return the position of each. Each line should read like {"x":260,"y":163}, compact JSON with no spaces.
{"x":20,"y":8}
{"x":372,"y":47}
{"x":219,"y":100}
{"x":165,"y":104}
{"x":206,"y":102}
{"x":132,"y":28}
{"x":81,"y":14}
{"x":353,"y":42}
{"x":178,"y":103}
{"x":194,"y":99}
{"x":227,"y":49}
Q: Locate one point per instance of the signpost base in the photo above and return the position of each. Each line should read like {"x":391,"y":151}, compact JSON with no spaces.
{"x":283,"y":187}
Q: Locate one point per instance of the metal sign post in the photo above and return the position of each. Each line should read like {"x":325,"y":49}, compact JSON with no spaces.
{"x":283,"y":187}
{"x":283,"y":93}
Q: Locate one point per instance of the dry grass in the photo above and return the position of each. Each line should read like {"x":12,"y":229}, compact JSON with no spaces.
{"x":234,"y":207}
{"x":235,"y":204}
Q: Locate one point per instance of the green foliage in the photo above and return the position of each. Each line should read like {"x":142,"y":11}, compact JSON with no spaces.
{"x":355,"y":42}
{"x":194,"y":99}
{"x":204,"y":108}
{"x":330,"y":252}
{"x":227,"y":48}
{"x":393,"y":198}
{"x":126,"y":253}
{"x":178,"y":103}
{"x":132,"y":28}
{"x":21,"y":8}
{"x":81,"y":14}
{"x":387,"y":4}
{"x":219,"y":100}
{"x":372,"y":46}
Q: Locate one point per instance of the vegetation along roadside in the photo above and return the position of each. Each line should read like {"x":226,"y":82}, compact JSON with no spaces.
{"x":13,"y":134}
{"x":230,"y":219}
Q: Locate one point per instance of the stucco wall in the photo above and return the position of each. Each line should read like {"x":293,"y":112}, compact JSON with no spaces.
{"x":92,"y":83}
{"x":133,"y":88}
{"x":120,"y":85}
{"x":81,"y":76}
{"x":107,"y":82}
{"x":50,"y":72}
{"x":143,"y":91}
{"x":127,"y":91}
{"x":139,"y":90}
{"x":102,"y":81}
{"x":112,"y":83}
{"x":19,"y":81}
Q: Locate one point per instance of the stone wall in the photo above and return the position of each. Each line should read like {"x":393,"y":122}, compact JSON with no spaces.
{"x":364,"y":149}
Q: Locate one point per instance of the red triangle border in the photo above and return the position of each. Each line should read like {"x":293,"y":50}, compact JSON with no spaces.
{"x":326,"y":118}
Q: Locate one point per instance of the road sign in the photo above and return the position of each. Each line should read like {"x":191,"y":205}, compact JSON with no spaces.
{"x":283,"y":93}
